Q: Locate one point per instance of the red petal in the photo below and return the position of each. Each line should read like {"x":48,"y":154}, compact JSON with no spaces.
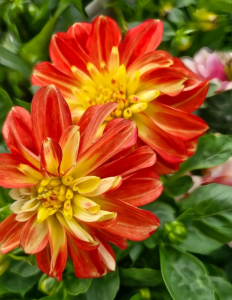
{"x":34,"y":236}
{"x":169,"y":81}
{"x":43,"y":259}
{"x":65,"y":52}
{"x":50,"y":115}
{"x":133,"y":223}
{"x":106,"y":254}
{"x":163,"y":167}
{"x":58,"y":243}
{"x":80,"y":32}
{"x":105,"y":35}
{"x":189,"y":99}
{"x":171,"y":149}
{"x":140,"y":40}
{"x":150,"y":61}
{"x":50,"y":156}
{"x":191,"y":147}
{"x":137,"y":190}
{"x":114,"y":239}
{"x":45,"y":74}
{"x":121,"y":136}
{"x":91,"y":121}
{"x":87,"y":264}
{"x":10,"y":176}
{"x":142,"y":157}
{"x":181,"y":125}
{"x":10,"y":234}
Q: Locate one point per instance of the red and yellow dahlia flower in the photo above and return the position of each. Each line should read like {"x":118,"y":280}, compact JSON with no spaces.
{"x":92,"y":65}
{"x":73,"y":191}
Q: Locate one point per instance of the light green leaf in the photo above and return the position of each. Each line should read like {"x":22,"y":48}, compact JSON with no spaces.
{"x":140,"y":277}
{"x":184,"y":275}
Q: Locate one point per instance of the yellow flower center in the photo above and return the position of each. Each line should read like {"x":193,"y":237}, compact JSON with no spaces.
{"x":64,"y":194}
{"x":111,"y":83}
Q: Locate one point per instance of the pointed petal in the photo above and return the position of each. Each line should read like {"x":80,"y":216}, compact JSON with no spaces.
{"x":112,"y":238}
{"x":169,"y":81}
{"x":43,"y":259}
{"x":11,"y":176}
{"x":58,"y":243}
{"x":50,"y":156}
{"x":91,"y":121}
{"x":189,"y":99}
{"x":145,"y":38}
{"x":50,"y":115}
{"x":105,"y":35}
{"x":82,"y":239}
{"x":34,"y":236}
{"x":171,"y":149}
{"x":181,"y":125}
{"x":142,"y":157}
{"x":45,"y":73}
{"x":69,"y":143}
{"x":150,"y":61}
{"x":133,"y":223}
{"x":137,"y":190}
{"x":80,"y":32}
{"x":105,"y":186}
{"x":24,"y":216}
{"x":17,"y":132}
{"x":121,"y":136}
{"x":87,"y":264}
{"x":10,"y":234}
{"x":106,"y":254}
{"x":65,"y":52}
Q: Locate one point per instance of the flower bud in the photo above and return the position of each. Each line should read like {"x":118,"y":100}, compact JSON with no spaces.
{"x":175,"y":232}
{"x":48,"y":285}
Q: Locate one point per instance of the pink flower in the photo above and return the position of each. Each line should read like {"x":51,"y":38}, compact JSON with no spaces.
{"x":214,"y":66}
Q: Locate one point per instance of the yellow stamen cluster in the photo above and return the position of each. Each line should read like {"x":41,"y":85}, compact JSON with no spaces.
{"x":55,"y":194}
{"x":112,"y":84}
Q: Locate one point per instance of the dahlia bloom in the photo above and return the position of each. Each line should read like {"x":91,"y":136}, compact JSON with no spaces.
{"x":213,"y":66}
{"x":73,"y":192}
{"x":92,"y":65}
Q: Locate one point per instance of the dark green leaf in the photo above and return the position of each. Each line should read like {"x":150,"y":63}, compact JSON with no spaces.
{"x":5,"y":106}
{"x":23,"y":104}
{"x":37,"y":48}
{"x":209,"y":218}
{"x":184,"y":275}
{"x":140,"y":277}
{"x":222,"y":287}
{"x":178,"y":186}
{"x":211,"y":151}
{"x":104,"y":288}
{"x":13,"y":62}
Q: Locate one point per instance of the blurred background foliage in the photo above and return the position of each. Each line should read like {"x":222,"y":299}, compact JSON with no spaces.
{"x":26,"y":28}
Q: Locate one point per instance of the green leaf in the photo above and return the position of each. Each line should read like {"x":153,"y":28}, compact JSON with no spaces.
{"x":18,"y":280}
{"x":184,"y":275}
{"x":4,"y":212}
{"x":103,"y":288}
{"x":5,"y":106}
{"x":178,"y":186}
{"x":140,"y":277}
{"x":211,"y":151}
{"x":209,"y":218}
{"x":37,"y":49}
{"x":13,"y":61}
{"x":222,"y":287}
{"x":176,"y":16}
{"x":217,"y":112}
{"x":23,"y":104}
